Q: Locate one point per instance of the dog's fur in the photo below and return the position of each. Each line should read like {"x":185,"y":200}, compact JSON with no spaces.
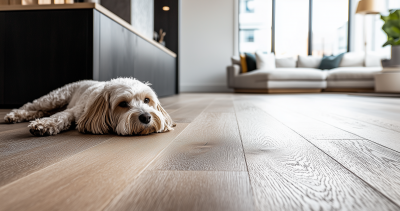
{"x":96,"y":108}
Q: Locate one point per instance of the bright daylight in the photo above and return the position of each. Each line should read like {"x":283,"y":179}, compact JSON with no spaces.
{"x":214,"y":105}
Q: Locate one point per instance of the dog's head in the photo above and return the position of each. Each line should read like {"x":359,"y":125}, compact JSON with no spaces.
{"x":128,"y":107}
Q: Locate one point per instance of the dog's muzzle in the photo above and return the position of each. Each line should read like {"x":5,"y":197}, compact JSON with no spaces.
{"x":145,"y":118}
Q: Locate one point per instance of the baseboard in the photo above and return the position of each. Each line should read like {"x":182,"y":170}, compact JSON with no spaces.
{"x":271,"y":91}
{"x":211,"y":88}
{"x":349,"y":90}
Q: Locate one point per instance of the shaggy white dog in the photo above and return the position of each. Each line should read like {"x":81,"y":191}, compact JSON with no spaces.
{"x":125,"y":106}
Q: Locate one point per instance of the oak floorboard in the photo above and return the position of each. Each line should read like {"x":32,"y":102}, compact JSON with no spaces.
{"x":288,"y":173}
{"x":5,"y":126}
{"x":364,"y":130}
{"x":309,"y":128}
{"x":186,"y":190}
{"x":22,"y":154}
{"x":377,"y":165}
{"x":188,"y":113}
{"x":88,"y":180}
{"x":221,"y":106}
{"x":210,"y":143}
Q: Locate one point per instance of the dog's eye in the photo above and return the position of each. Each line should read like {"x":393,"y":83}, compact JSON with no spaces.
{"x":123,"y":104}
{"x":146,"y":100}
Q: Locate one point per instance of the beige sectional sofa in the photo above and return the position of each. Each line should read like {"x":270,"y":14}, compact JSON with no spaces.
{"x":355,"y":73}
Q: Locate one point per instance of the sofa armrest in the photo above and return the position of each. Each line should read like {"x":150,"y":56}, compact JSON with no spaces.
{"x":232,"y":72}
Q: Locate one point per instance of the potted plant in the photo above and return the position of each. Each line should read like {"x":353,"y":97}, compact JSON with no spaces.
{"x":392,"y":28}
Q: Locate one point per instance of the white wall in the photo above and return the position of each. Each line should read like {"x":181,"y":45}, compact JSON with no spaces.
{"x":207,"y":42}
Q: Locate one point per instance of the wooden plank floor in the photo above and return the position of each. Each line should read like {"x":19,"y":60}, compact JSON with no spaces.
{"x":228,"y":152}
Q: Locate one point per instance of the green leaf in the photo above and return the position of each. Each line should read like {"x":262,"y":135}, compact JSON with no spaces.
{"x":395,"y":29}
{"x":389,"y":42}
{"x":392,"y":27}
{"x":385,"y":18}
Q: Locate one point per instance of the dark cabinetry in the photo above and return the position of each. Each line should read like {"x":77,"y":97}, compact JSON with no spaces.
{"x":46,"y":49}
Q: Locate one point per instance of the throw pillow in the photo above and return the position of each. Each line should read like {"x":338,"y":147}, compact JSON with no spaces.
{"x":251,"y":62}
{"x":373,"y":60}
{"x":235,"y":60}
{"x":308,"y":61}
{"x":243,"y":63}
{"x":265,"y":61}
{"x":330,"y":62}
{"x":353,"y":59}
{"x":285,"y":62}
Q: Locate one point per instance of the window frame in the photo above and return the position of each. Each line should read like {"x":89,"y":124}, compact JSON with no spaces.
{"x":310,"y":11}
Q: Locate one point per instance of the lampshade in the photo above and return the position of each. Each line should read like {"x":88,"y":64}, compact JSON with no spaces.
{"x":371,"y":7}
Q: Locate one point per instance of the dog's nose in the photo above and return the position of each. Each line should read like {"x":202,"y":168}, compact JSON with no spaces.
{"x":145,"y":118}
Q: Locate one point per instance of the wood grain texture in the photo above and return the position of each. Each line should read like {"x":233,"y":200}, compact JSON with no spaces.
{"x":188,"y":113}
{"x":278,"y":90}
{"x":377,"y":165}
{"x":363,"y":129}
{"x":307,"y":127}
{"x":221,"y":106}
{"x":182,"y":190}
{"x":22,"y":154}
{"x":288,"y":173}
{"x":88,"y":180}
{"x":210,"y":143}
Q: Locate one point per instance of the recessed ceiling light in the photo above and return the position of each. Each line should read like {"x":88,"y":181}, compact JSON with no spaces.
{"x":165,"y":8}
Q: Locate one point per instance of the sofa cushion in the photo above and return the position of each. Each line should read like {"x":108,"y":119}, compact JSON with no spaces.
{"x":353,"y":59}
{"x":243,"y":63}
{"x":265,"y":61}
{"x":302,"y":74}
{"x":373,"y":60}
{"x":286,"y":74}
{"x":308,"y":61}
{"x":330,"y":62}
{"x":235,"y":60}
{"x":251,"y":62}
{"x":353,"y":73}
{"x":285,"y":62}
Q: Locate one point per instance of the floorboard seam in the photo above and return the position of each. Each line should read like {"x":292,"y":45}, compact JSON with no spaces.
{"x":1,"y":188}
{"x":362,"y":138}
{"x":244,"y":155}
{"x":368,"y":184}
{"x":145,"y":168}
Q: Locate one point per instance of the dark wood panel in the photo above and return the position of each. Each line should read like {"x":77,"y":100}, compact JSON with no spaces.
{"x":116,"y":50}
{"x":2,"y":53}
{"x":169,"y":22}
{"x":96,"y":45}
{"x":121,"y":8}
{"x":45,"y":50}
{"x":146,"y":65}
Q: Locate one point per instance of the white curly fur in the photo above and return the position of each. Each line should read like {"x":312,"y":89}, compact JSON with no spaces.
{"x":96,"y":108}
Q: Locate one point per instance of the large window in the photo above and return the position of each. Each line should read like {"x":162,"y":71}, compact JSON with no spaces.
{"x":255,"y":25}
{"x":329,"y":27}
{"x":291,"y":27}
{"x":283,"y":26}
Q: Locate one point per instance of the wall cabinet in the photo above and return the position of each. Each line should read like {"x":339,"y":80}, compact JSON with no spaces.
{"x":42,"y":50}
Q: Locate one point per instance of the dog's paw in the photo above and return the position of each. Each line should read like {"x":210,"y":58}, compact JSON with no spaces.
{"x":44,"y":127}
{"x":13,"y":117}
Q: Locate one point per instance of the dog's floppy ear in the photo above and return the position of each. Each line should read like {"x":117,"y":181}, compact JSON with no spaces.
{"x":168,"y":121}
{"x":96,"y":119}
